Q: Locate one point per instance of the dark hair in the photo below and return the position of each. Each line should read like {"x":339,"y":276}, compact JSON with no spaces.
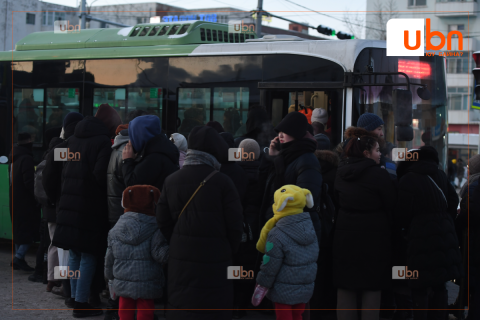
{"x":356,"y":146}
{"x":135,"y":113}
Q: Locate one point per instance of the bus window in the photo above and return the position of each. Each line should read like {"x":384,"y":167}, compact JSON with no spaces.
{"x":60,"y":101}
{"x":28,"y":113}
{"x":230,"y":108}
{"x":147,"y":99}
{"x":193,"y":108}
{"x":115,"y":97}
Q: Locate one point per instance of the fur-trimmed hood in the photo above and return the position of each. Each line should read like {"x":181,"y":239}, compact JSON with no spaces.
{"x":327,"y":156}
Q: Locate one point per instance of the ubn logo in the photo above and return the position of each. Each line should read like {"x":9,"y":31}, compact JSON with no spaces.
{"x":63,"y":272}
{"x":412,"y":34}
{"x":401,"y":154}
{"x":237,"y":26}
{"x":237,"y":272}
{"x":64,"y":26}
{"x":402,"y":272}
{"x":64,"y":154}
{"x":237,"y":154}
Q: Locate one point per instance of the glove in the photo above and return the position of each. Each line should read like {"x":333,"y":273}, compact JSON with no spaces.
{"x":258,"y":294}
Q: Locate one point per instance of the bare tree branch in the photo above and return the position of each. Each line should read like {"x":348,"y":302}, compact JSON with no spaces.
{"x":354,"y":23}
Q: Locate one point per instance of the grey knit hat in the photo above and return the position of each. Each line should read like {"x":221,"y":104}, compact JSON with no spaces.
{"x":320,"y":115}
{"x":180,"y":141}
{"x":474,"y":164}
{"x":369,"y":121}
{"x":250,"y":145}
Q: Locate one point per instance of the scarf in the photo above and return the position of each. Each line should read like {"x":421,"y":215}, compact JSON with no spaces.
{"x":195,"y":158}
{"x":471,"y":178}
{"x":289,"y":152}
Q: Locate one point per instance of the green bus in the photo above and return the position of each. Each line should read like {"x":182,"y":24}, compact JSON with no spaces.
{"x":191,"y":72}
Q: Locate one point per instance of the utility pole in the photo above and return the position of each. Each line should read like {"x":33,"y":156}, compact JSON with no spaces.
{"x":83,"y":14}
{"x":258,"y":25}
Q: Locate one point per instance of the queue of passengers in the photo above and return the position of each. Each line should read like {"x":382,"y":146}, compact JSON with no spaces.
{"x":163,"y":219}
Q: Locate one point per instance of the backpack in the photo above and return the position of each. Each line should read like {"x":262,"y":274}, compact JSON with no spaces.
{"x":326,"y":212}
{"x":40,"y":194}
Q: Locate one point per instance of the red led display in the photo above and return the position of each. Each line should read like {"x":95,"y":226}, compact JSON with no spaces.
{"x":415,"y":69}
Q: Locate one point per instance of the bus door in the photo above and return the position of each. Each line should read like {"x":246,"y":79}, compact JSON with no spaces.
{"x":282,"y":98}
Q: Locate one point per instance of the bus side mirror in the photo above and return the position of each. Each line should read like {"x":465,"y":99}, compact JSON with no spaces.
{"x":402,"y":104}
{"x":404,"y":133}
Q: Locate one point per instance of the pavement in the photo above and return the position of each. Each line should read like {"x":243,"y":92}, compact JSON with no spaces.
{"x":22,"y":299}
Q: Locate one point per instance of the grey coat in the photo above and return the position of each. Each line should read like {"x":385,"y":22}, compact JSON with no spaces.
{"x":115,"y":183}
{"x":289,"y":265}
{"x":136,"y":251}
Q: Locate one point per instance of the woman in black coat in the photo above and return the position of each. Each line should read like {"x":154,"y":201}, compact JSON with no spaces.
{"x":362,"y":236}
{"x":82,"y":216}
{"x":427,"y":204}
{"x":205,"y":237}
{"x":25,"y":211}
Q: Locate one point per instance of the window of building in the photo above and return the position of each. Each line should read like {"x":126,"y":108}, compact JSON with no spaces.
{"x":49,"y":17}
{"x":459,"y":64}
{"x":143,"y":19}
{"x":417,"y":3}
{"x":458,"y":98}
{"x":30,"y":18}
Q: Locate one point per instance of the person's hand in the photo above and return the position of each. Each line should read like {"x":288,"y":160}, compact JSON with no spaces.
{"x":127,"y":152}
{"x":273,"y":151}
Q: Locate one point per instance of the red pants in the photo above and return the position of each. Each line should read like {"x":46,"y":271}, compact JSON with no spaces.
{"x":127,"y":308}
{"x":288,"y":312}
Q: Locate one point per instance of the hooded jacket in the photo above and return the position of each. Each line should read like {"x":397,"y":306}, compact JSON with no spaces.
{"x":115,"y":183}
{"x":25,"y":212}
{"x":50,"y":212}
{"x":155,"y":161}
{"x":362,"y":237}
{"x":82,"y":215}
{"x":135,"y":255}
{"x":426,"y":217}
{"x":289,"y":266}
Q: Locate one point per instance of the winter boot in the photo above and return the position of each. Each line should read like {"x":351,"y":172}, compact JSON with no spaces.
{"x":84,"y":309}
{"x":52,"y":284}
{"x":35,"y":277}
{"x":70,"y":302}
{"x":21,"y":264}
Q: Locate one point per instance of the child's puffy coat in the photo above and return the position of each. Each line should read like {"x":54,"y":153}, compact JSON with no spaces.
{"x":136,"y":251}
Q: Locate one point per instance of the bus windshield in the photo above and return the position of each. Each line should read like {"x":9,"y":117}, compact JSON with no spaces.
{"x":429,"y":117}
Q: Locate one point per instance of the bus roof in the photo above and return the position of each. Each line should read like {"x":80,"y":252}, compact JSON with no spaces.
{"x":186,"y":38}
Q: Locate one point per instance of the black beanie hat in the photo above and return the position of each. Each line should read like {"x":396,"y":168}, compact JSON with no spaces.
{"x":294,"y":124}
{"x":72,"y":117}
{"x":428,"y":153}
{"x":24,"y":138}
{"x":207,"y":139}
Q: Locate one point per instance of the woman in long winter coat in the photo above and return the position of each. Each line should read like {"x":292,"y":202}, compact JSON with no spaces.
{"x":25,"y":212}
{"x":82,"y":216}
{"x":291,"y":160}
{"x":427,"y":202}
{"x":204,"y":238}
{"x":361,"y":243}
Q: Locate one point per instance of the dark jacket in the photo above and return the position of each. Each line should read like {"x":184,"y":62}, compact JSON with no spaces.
{"x":156,"y":161}
{"x":25,"y":211}
{"x":422,"y":211}
{"x":362,"y":243}
{"x":115,"y":183}
{"x":82,"y":215}
{"x":50,"y":211}
{"x":202,"y":241}
{"x":52,"y":173}
{"x":303,"y":172}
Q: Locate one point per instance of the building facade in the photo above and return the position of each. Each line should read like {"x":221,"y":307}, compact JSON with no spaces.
{"x":445,"y":16}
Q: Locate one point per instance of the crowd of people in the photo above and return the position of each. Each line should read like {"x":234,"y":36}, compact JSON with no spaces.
{"x":143,"y":216}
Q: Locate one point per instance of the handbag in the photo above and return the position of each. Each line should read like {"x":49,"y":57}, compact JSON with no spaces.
{"x":199,"y":187}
